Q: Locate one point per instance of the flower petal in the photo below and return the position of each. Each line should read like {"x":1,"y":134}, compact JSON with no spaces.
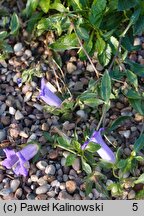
{"x":29,"y":151}
{"x":11,"y":158}
{"x":48,"y":96}
{"x":21,"y":166}
{"x":105,"y":152}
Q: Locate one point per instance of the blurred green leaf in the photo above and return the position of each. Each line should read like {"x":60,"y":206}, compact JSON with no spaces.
{"x":33,"y":21}
{"x":92,"y":147}
{"x":100,"y":45}
{"x":136,"y":68}
{"x":105,"y":57}
{"x":45,"y":5}
{"x":86,"y":167}
{"x":3,"y":35}
{"x":138,"y":105}
{"x":125,"y":5}
{"x":115,"y":124}
{"x":65,"y":43}
{"x":63,"y":142}
{"x":70,"y":159}
{"x":140,"y":179}
{"x":59,"y":7}
{"x":132,"y":78}
{"x":31,"y":7}
{"x":106,"y":87}
{"x":139,"y":144}
{"x":96,"y":12}
{"x":14,"y":24}
{"x":82,"y":33}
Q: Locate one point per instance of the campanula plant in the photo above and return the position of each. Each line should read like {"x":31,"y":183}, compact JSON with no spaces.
{"x":19,"y":161}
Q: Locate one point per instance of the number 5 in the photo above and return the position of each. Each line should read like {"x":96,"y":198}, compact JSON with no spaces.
{"x":135,"y":207}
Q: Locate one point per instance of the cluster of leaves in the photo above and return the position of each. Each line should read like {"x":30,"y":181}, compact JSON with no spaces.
{"x":9,"y":28}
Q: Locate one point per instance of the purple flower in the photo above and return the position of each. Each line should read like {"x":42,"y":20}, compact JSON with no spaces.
{"x":48,"y":95}
{"x":19,"y":81}
{"x":19,"y":161}
{"x":105,"y":152}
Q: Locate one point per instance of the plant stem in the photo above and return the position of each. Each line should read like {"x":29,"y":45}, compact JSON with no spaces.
{"x":102,"y":117}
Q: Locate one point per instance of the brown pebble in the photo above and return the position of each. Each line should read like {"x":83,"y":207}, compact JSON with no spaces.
{"x":71,"y":186}
{"x":41,"y":197}
{"x":5,"y":120}
{"x":53,"y":155}
{"x":18,"y":193}
{"x":138,"y":117}
{"x":1,"y":177}
{"x":14,"y":132}
{"x":119,"y":105}
{"x":49,"y":179}
{"x":45,"y":127}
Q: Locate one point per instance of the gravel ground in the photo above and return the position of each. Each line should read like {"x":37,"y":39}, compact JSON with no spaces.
{"x":23,"y":119}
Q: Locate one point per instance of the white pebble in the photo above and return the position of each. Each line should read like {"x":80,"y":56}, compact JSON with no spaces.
{"x":18,"y":115}
{"x":18,"y":47}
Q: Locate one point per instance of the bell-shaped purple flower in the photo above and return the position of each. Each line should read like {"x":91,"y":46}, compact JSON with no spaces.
{"x":47,"y":94}
{"x":19,"y":161}
{"x":105,"y":152}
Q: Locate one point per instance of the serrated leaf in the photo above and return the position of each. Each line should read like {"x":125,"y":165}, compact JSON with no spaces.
{"x":14,"y":24}
{"x":125,"y":5}
{"x":45,"y":5}
{"x":65,"y":43}
{"x":100,"y":45}
{"x":118,"y":122}
{"x":139,"y":143}
{"x":106,"y":87}
{"x":132,"y":78}
{"x":70,"y":159}
{"x":86,"y":167}
{"x":92,"y":147}
{"x":105,"y":57}
{"x":96,"y":12}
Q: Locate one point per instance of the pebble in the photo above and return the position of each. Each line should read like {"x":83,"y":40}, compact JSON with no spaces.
{"x":99,"y":67}
{"x":5,"y":120}
{"x":18,"y":115}
{"x":18,"y":193}
{"x":12,"y":111}
{"x":71,"y":67}
{"x":23,"y":134}
{"x":14,"y":184}
{"x":63,"y":195}
{"x":27,"y":97}
{"x":31,"y":196}
{"x":34,"y":178}
{"x":131,"y":194}
{"x":89,"y":68}
{"x":50,"y":170}
{"x":6,"y":191}
{"x":2,"y":134}
{"x":18,"y":47}
{"x":38,"y":106}
{"x":28,"y":53}
{"x":127,"y":151}
{"x":63,"y":160}
{"x":51,"y":193}
{"x":2,"y":108}
{"x":45,"y":127}
{"x":42,"y":165}
{"x":41,"y":197}
{"x":76,"y":165}
{"x":68,"y":126}
{"x":14,"y":132}
{"x":126,"y":133}
{"x":55,"y":183}
{"x":53,"y":155}
{"x":71,"y":186}
{"x":133,"y":128}
{"x":137,"y":41}
{"x":65,"y":177}
{"x":138,"y":117}
{"x":81,"y":114}
{"x":41,"y":181}
{"x":42,"y":189}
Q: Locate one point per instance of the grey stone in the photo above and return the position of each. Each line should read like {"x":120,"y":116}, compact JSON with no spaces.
{"x":14,"y":184}
{"x":2,"y":135}
{"x":42,"y":189}
{"x":41,"y":165}
{"x":18,"y":47}
{"x":50,"y":170}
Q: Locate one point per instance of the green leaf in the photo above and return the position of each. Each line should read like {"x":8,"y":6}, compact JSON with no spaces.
{"x":132,"y":78}
{"x":105,"y":57}
{"x":65,"y":43}
{"x":33,"y":21}
{"x":125,"y":5}
{"x":70,"y":159}
{"x":131,"y":94}
{"x":3,"y":35}
{"x":31,"y":7}
{"x":86,"y":167}
{"x":90,"y":99}
{"x":118,"y":122}
{"x":136,"y":68}
{"x":106,"y":87}
{"x":63,"y":142}
{"x":59,"y":7}
{"x":45,"y":5}
{"x":76,"y":4}
{"x":100,"y":45}
{"x":140,"y":179}
{"x":82,"y":33}
{"x":48,"y":137}
{"x":139,"y":143}
{"x":139,"y":26}
{"x":14,"y":24}
{"x":92,"y":147}
{"x":96,"y":12}
{"x":138,"y":105}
